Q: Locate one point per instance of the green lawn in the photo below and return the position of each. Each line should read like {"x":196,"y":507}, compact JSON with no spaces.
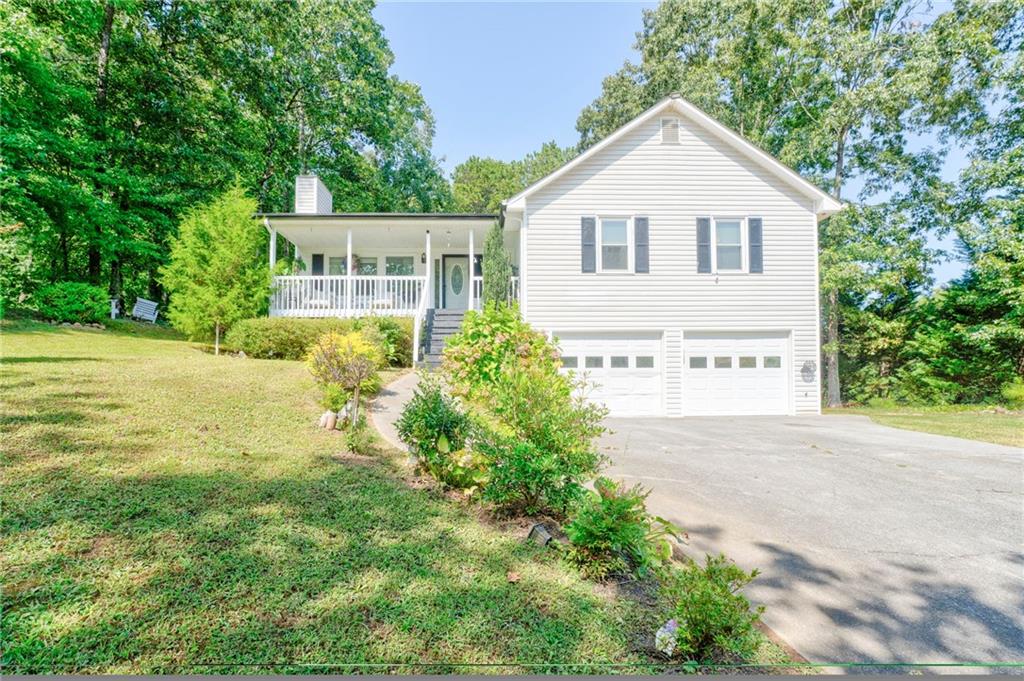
{"x":970,"y":422}
{"x":168,"y":510}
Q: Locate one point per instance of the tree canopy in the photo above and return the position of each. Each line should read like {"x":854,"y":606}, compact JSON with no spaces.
{"x":120,"y":114}
{"x":479,"y":185}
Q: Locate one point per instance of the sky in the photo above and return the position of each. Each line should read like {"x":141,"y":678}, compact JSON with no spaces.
{"x":503,"y":78}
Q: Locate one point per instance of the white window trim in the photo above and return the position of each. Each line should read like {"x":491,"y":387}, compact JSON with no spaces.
{"x":630,"y":260}
{"x":744,"y":247}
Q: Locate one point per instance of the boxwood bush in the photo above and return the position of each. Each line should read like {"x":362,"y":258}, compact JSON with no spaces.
{"x":290,"y":338}
{"x":70,"y":301}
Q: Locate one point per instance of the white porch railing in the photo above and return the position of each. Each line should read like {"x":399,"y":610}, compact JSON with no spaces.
{"x":342,"y":296}
{"x":478,"y":291}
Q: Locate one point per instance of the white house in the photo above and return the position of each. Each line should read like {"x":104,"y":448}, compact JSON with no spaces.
{"x":676,"y":263}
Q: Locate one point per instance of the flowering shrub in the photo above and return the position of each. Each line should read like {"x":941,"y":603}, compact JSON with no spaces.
{"x":714,"y":621}
{"x":489,"y":341}
{"x":346,"y":361}
{"x":612,"y":532}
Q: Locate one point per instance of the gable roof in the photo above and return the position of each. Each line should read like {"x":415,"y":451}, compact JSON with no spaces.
{"x":824,"y":204}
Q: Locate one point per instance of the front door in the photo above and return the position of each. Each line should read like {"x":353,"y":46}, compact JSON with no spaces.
{"x":456,"y":282}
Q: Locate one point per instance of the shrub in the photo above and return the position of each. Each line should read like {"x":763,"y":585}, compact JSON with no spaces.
{"x":71,"y":301}
{"x":714,"y":620}
{"x":612,"y":532}
{"x":281,"y":337}
{"x":541,"y":452}
{"x":290,"y":338}
{"x":1013,"y":394}
{"x":437,"y":429}
{"x":347,"y":362}
{"x":490,"y":340}
{"x":359,"y":438}
{"x":392,"y":334}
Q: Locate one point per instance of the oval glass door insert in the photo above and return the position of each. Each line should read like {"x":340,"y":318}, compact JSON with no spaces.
{"x":457,"y":280}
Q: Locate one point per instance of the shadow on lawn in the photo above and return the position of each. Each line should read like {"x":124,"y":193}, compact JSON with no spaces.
{"x":335,"y":562}
{"x":345,"y":565}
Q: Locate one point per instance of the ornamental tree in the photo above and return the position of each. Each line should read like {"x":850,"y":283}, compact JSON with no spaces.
{"x":217,"y":273}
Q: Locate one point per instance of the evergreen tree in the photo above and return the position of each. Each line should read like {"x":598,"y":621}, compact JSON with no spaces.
{"x":218,"y":273}
{"x":497,"y":268}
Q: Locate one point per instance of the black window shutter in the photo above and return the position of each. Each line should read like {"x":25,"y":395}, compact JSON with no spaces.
{"x":756,"y":245}
{"x":703,"y":245}
{"x":642,"y":246}
{"x":318,"y":264}
{"x":588,"y":237}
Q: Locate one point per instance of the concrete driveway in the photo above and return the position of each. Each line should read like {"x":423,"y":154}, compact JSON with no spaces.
{"x":875,"y":544}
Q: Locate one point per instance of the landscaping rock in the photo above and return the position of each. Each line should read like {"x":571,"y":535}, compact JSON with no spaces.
{"x":331,"y":420}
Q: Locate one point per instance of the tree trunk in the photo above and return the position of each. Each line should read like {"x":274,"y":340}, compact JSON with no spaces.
{"x":355,"y":406}
{"x":834,"y":397}
{"x":832,"y":356}
{"x":102,"y":59}
{"x":216,"y":338}
{"x":116,"y":279}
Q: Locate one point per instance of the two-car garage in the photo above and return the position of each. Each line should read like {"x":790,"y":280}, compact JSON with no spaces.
{"x":723,"y":373}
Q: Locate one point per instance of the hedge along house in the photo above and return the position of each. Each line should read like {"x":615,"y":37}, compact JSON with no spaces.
{"x":676,"y":263}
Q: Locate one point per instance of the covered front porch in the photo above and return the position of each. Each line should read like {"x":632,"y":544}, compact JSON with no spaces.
{"x":401,"y":265}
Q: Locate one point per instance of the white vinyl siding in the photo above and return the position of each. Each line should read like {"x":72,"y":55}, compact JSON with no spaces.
{"x":673,"y":184}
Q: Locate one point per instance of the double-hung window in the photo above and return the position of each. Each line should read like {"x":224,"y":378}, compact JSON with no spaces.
{"x":614,"y":245}
{"x":728,"y":245}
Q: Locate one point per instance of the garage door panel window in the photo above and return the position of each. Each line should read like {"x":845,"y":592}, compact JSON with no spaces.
{"x":619,"y":362}
{"x":772,"y":362}
{"x":723,"y":362}
{"x":645,"y":362}
{"x":698,"y":362}
{"x":570,"y":362}
{"x":748,"y":362}
{"x":594,"y":362}
{"x":614,"y":242}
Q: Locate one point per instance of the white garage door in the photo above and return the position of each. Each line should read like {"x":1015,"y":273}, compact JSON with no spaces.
{"x":736,"y":373}
{"x":625,"y":371}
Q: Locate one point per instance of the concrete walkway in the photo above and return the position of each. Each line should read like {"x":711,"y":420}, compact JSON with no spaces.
{"x":387,"y":407}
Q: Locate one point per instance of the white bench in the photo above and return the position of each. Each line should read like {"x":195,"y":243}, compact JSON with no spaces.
{"x":145,"y":309}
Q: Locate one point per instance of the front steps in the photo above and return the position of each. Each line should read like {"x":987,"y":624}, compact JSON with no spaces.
{"x":438,"y":325}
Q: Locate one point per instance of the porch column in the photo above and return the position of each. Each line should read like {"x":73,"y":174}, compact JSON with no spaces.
{"x":429,"y":283}
{"x":273,"y":249}
{"x":472,"y":271}
{"x":348,"y":275}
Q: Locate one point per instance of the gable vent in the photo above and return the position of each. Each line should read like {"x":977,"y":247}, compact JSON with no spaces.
{"x":670,"y":131}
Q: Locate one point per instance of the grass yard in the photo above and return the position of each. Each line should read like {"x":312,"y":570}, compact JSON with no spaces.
{"x":166,"y":510}
{"x":969,"y":422}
